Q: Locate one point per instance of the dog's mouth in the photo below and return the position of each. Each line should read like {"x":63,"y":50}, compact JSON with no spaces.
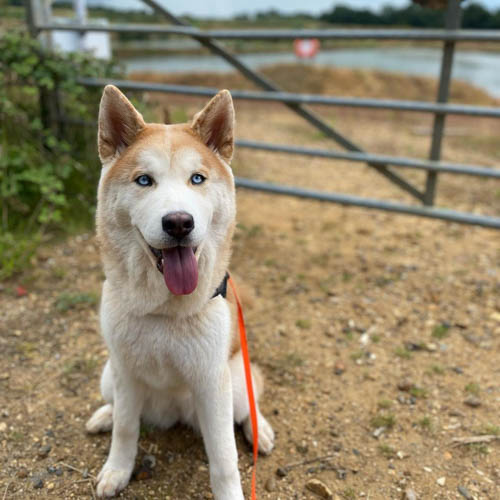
{"x":179,"y":267}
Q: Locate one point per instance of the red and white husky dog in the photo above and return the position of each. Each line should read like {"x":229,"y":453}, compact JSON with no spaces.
{"x":165,"y":218}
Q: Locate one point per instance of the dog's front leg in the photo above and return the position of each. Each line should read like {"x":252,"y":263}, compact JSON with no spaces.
{"x":127,"y":407}
{"x":214,"y":408}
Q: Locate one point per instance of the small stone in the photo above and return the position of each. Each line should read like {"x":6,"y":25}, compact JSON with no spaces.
{"x":472,"y":401}
{"x":447,"y":455}
{"x":458,"y":370}
{"x":441,"y":481}
{"x":319,"y":488}
{"x":149,"y":461}
{"x":341,"y":473}
{"x":378,"y":432}
{"x":3,"y":426}
{"x":404,"y":385}
{"x":339,"y":368}
{"x":401,"y":455}
{"x":49,"y":433}
{"x":59,"y":472}
{"x":409,"y":494}
{"x":85,"y":473}
{"x":50,"y":486}
{"x":22,"y":473}
{"x":465,"y":492}
{"x":37,"y":482}
{"x":270,"y":484}
{"x":281,"y":472}
{"x":44,"y":451}
{"x":431,"y":347}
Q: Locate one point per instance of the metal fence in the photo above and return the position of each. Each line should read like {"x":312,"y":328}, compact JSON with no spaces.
{"x":40,"y":21}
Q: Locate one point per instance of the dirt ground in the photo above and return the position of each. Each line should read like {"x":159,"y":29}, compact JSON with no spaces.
{"x":378,"y":334}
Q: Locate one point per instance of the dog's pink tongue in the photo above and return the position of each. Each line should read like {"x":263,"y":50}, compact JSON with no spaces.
{"x":180,"y":270}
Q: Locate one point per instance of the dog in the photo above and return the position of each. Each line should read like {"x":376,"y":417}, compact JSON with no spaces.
{"x":165,"y":218}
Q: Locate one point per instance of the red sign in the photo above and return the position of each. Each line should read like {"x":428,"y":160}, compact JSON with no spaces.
{"x":306,"y":48}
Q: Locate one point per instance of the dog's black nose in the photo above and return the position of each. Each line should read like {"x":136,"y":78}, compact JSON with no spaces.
{"x":177,"y":224}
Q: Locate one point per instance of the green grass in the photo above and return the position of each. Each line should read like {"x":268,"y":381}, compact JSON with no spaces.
{"x":384,"y":404}
{"x":67,"y":301}
{"x":402,"y":352}
{"x":425,"y":423}
{"x":436,"y":370}
{"x":387,"y":451}
{"x":349,"y":494}
{"x":388,"y":421}
{"x":303,"y":324}
{"x":472,"y":388}
{"x":440,"y":331}
{"x":489,"y":429}
{"x":419,"y":392}
{"x":356,"y":355}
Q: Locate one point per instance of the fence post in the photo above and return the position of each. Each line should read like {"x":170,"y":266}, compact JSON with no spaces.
{"x":39,"y":12}
{"x":452,"y":22}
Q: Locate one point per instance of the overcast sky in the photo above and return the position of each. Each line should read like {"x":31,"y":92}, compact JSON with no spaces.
{"x":228,"y":8}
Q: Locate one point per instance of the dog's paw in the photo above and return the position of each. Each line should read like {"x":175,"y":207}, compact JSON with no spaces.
{"x":101,"y":420}
{"x":111,"y":481}
{"x":266,"y":434}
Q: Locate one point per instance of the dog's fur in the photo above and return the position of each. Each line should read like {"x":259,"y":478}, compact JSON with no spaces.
{"x":171,"y":357}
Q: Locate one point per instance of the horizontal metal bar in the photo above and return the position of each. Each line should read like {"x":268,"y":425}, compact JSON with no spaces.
{"x":280,"y":148}
{"x":344,"y":199}
{"x":290,"y":97}
{"x":284,"y":34}
{"x":414,"y":163}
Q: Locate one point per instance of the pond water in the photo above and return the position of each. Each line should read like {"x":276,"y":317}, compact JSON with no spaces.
{"x":481,"y":69}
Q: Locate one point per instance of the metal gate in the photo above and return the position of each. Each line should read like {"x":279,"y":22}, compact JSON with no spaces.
{"x":39,"y":20}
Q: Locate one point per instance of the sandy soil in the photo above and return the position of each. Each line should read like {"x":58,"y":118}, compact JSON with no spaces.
{"x":376,"y":334}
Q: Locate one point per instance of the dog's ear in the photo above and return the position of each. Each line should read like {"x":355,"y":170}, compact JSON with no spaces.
{"x":119,"y":123}
{"x":214,"y":124}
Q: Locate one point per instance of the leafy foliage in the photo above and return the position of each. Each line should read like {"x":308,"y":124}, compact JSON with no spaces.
{"x":46,"y":174}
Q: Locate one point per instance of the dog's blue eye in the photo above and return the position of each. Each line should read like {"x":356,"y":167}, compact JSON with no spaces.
{"x":144,"y":180}
{"x":197,"y":179}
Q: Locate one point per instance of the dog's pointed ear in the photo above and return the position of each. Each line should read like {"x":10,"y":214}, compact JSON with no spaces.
{"x":119,"y":123}
{"x":214,"y":124}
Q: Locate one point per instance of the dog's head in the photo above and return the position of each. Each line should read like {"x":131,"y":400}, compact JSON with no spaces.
{"x":169,"y":187}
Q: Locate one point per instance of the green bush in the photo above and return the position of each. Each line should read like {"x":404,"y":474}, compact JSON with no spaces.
{"x":48,"y":169}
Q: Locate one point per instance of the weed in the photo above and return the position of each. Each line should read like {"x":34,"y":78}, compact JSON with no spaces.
{"x":384,"y":404}
{"x":304,"y":324}
{"x":418,"y":392}
{"x":388,"y":421}
{"x":489,"y":429}
{"x":356,"y":355}
{"x":67,"y":301}
{"x":479,"y":448}
{"x":387,"y":451}
{"x":403,"y":353}
{"x":440,"y":331}
{"x":349,"y":494}
{"x":347,"y":276}
{"x":375,"y":338}
{"x":425,"y":423}
{"x":436,"y":370}
{"x":293,"y":359}
{"x":472,"y":388}
{"x":86,"y":366}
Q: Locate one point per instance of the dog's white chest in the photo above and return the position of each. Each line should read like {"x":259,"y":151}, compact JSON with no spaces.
{"x":163,"y":352}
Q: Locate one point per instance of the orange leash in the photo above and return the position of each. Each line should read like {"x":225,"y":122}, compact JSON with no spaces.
{"x":248,"y":378}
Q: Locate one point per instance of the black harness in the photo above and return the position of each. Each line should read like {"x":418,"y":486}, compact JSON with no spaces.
{"x":222,"y":288}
